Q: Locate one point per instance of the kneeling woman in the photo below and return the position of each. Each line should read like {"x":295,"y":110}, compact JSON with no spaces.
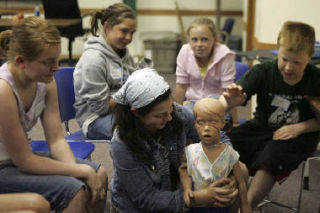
{"x":147,"y":146}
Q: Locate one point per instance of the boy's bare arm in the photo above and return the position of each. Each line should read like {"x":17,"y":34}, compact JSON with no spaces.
{"x":233,"y":96}
{"x":294,"y":130}
{"x":290,"y":131}
{"x":245,"y":207}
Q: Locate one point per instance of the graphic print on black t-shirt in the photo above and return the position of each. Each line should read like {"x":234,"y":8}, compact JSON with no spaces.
{"x":281,"y":117}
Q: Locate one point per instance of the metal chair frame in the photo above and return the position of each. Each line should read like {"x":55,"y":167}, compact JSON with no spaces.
{"x":304,"y":185}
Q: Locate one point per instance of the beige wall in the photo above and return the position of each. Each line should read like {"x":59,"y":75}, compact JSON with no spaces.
{"x":271,"y":14}
{"x":163,"y":23}
{"x":146,"y":22}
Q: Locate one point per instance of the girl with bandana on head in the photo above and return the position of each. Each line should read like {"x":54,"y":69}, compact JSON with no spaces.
{"x":103,"y":68}
{"x":150,"y":134}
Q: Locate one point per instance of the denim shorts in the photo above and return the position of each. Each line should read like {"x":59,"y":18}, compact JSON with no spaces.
{"x":59,"y":190}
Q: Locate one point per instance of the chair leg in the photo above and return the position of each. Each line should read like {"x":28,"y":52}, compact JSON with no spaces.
{"x":304,"y":185}
{"x":260,"y":206}
{"x":305,"y":168}
{"x":70,"y":50}
{"x":305,"y":174}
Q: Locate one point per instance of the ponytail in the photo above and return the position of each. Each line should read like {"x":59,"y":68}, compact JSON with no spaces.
{"x":94,"y":22}
{"x":4,"y":43}
{"x":114,"y":15}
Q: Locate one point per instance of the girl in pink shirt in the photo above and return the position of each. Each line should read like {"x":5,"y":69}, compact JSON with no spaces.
{"x":204,"y":66}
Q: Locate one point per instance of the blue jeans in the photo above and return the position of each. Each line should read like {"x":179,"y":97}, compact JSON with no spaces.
{"x":101,"y":128}
{"x":59,"y":190}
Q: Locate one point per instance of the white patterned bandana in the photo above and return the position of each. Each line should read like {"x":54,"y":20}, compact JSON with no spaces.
{"x":142,"y":87}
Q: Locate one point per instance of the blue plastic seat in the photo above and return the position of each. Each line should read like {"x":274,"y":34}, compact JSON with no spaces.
{"x":80,"y":147}
{"x":241,"y":69}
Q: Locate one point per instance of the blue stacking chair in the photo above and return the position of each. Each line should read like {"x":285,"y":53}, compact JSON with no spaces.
{"x":80,"y":147}
{"x":241,"y":69}
{"x":226,"y":30}
{"x":66,"y":97}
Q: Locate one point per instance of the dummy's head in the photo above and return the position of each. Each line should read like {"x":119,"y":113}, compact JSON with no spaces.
{"x":209,"y":119}
{"x":297,"y":37}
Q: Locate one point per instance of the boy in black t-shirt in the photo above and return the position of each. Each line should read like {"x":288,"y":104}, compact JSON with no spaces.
{"x":284,"y":130}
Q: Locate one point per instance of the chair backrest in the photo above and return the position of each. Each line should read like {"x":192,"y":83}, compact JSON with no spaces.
{"x":61,"y":9}
{"x":66,"y":96}
{"x":64,"y":9}
{"x":227,"y":28}
{"x":241,"y":68}
{"x":228,"y":25}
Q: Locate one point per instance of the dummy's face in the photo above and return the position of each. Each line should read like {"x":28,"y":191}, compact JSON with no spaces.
{"x":42,"y":69}
{"x":120,"y":35}
{"x":157,"y":118}
{"x":208,"y":126}
{"x":292,"y":65}
{"x":201,"y":41}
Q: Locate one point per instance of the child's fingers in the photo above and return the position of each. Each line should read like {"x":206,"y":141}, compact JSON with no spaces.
{"x":220,"y":182}
{"x":190,"y":194}
{"x":187,"y":200}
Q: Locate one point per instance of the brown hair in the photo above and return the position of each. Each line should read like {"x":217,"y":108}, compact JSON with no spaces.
{"x":114,"y":15}
{"x":297,"y":37}
{"x":28,"y":38}
{"x":205,"y":22}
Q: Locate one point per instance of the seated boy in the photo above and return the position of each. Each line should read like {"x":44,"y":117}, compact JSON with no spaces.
{"x":284,"y":130}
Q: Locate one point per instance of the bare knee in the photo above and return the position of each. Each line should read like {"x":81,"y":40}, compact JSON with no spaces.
{"x":37,"y":203}
{"x":78,"y":203}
